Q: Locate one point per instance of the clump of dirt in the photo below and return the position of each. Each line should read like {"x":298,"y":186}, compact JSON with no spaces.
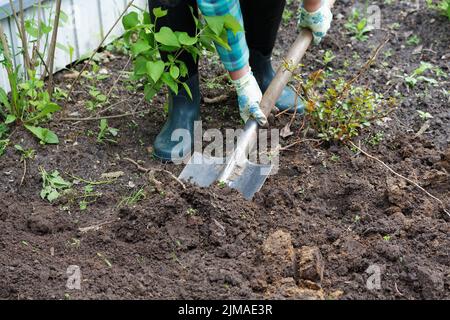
{"x":322,"y":228}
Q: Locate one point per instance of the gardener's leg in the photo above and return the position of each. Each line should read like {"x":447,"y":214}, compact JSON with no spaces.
{"x":183,"y":111}
{"x":236,"y":60}
{"x":262,"y":20}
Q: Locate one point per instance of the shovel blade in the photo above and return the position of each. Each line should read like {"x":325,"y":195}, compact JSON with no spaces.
{"x":248,"y":178}
{"x":202,"y":171}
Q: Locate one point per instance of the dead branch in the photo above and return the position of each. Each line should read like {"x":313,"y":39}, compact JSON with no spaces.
{"x":147,"y":170}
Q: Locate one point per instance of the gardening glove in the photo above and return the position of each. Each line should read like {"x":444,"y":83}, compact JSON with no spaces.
{"x":319,"y":22}
{"x":249,"y":97}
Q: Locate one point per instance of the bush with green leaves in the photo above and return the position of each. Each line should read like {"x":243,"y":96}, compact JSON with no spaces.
{"x":337,"y":110}
{"x":29,"y":102}
{"x":156,"y":51}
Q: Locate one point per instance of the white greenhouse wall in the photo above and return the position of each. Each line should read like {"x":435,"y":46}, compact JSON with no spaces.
{"x":89,"y":21}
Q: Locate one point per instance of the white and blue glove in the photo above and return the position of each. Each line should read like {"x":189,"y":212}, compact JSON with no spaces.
{"x":319,"y":21}
{"x":249,"y":97}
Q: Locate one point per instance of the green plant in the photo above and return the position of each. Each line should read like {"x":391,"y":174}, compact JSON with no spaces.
{"x":417,"y":75}
{"x":98,"y":98}
{"x":442,"y":6}
{"x":89,"y":196}
{"x":424,"y":115}
{"x":413,"y":40}
{"x":358,"y":26}
{"x":155,"y":52}
{"x":337,"y":110}
{"x":106,"y":132}
{"x":375,"y":139}
{"x":25,"y":153}
{"x":191,"y":212}
{"x":133,"y":199}
{"x":52,"y":185}
{"x":29,"y":102}
{"x":3,"y":145}
{"x":328,"y":57}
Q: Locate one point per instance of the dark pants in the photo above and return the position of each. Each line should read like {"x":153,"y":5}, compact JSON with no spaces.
{"x":262,"y":20}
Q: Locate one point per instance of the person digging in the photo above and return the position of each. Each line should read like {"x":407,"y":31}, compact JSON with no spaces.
{"x":248,"y":62}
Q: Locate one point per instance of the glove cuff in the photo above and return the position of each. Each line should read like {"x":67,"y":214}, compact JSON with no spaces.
{"x":244,"y":81}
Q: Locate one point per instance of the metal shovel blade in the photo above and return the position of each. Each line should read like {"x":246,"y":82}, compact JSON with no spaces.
{"x":202,"y":170}
{"x":247,"y":177}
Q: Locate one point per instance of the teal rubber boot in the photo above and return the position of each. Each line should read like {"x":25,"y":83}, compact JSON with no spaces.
{"x":263,"y":70}
{"x":183,"y":112}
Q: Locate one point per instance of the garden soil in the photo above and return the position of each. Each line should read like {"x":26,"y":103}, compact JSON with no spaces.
{"x":324,"y":227}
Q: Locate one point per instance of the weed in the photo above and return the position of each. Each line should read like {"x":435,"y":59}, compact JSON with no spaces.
{"x":335,"y":158}
{"x":191,"y":212}
{"x":52,"y":185}
{"x":97,"y":99}
{"x":133,"y":199}
{"x":358,"y":26}
{"x":375,"y":139}
{"x":106,"y":133}
{"x":387,"y":238}
{"x":26,"y":154}
{"x":413,"y":40}
{"x":424,"y":115}
{"x":442,"y":6}
{"x":337,"y":110}
{"x":221,"y":184}
{"x":417,"y":75}
{"x":3,"y":145}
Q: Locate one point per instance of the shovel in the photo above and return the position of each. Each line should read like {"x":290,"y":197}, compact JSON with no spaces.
{"x":237,"y":171}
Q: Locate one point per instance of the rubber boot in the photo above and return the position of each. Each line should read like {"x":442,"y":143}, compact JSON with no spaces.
{"x":263,"y":70}
{"x":183,"y":112}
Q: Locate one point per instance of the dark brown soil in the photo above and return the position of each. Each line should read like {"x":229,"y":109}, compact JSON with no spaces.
{"x":345,"y":213}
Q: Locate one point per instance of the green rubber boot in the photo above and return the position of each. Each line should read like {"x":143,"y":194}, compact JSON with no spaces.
{"x":262,"y":69}
{"x":183,"y":112}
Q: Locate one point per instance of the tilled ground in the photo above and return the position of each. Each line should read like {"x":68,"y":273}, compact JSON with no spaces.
{"x":313,"y":231}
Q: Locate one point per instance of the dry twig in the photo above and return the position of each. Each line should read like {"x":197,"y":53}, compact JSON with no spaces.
{"x":148,"y":170}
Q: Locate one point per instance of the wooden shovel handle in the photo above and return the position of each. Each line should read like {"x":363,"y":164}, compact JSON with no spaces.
{"x":283,"y":76}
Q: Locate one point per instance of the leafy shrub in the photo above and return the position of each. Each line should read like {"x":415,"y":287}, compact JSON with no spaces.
{"x":29,"y":102}
{"x":337,"y":110}
{"x":148,"y":47}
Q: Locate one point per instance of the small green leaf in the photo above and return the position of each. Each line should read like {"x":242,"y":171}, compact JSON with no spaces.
{"x":186,"y":40}
{"x":167,"y":37}
{"x":4,"y":99}
{"x":167,"y":79}
{"x":44,"y":135}
{"x":140,"y":46}
{"x":149,"y":92}
{"x":159,"y":13}
{"x":130,"y":20}
{"x":216,"y":23}
{"x":188,"y":90}
{"x":10,"y":119}
{"x":174,"y":71}
{"x":232,"y":24}
{"x":155,"y":69}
